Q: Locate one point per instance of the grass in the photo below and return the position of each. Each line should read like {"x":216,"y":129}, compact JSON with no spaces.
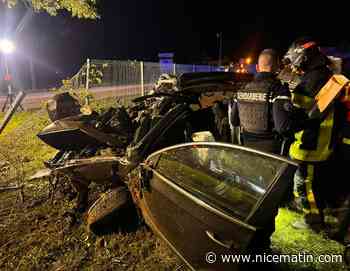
{"x":288,"y":240}
{"x":35,"y":234}
{"x":19,"y":140}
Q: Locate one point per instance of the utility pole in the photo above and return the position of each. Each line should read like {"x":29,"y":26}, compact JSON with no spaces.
{"x":142,"y":79}
{"x":87,"y":82}
{"x":219,"y":36}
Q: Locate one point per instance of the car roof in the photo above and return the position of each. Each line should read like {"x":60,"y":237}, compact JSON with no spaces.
{"x":187,"y":80}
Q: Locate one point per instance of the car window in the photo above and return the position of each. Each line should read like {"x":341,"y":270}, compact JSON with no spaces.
{"x":231,"y":179}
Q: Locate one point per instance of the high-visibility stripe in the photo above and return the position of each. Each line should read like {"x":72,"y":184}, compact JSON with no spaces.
{"x":309,"y":193}
{"x":280,"y":98}
{"x":306,"y":211}
{"x":322,"y":151}
{"x":346,"y":141}
{"x":302,"y":101}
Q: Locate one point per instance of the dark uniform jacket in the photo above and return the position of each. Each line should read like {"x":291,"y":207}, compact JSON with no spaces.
{"x":252,"y":110}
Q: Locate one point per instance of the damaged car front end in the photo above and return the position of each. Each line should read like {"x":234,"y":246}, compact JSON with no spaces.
{"x":168,"y":116}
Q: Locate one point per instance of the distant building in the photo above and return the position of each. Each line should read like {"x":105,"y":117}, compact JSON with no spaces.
{"x":166,"y":61}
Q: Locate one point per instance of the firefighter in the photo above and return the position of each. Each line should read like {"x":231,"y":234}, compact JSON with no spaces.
{"x":313,"y":145}
{"x":251,"y":112}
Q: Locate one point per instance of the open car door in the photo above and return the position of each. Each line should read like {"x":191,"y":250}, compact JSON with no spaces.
{"x":207,"y":197}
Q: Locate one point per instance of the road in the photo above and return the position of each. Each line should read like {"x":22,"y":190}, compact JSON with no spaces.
{"x":37,"y":100}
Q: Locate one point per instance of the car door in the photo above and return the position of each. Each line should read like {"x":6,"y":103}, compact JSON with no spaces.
{"x":206,"y":199}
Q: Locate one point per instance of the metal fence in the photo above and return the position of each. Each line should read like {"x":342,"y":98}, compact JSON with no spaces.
{"x":129,"y":78}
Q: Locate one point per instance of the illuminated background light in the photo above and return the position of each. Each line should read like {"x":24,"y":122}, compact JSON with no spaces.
{"x":7,"y":46}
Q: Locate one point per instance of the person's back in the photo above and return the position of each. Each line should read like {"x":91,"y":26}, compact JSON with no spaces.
{"x":252,"y":108}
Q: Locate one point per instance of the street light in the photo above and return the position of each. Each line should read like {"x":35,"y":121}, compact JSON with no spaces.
{"x":219,"y":37}
{"x":7,"y":47}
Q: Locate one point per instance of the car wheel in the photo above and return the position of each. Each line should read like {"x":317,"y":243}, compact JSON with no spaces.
{"x":107,"y":212}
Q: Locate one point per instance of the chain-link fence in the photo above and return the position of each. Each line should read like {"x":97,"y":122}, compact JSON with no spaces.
{"x":129,"y":78}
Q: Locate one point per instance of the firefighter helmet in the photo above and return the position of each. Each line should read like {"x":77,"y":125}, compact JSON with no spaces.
{"x":303,"y":54}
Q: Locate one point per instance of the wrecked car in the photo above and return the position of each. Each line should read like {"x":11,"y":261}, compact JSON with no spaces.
{"x":121,"y":138}
{"x":168,"y":154}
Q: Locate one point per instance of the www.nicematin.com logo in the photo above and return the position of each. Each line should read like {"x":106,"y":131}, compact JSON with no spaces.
{"x":302,"y":257}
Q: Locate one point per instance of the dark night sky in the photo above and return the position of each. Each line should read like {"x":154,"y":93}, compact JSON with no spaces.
{"x":131,"y":29}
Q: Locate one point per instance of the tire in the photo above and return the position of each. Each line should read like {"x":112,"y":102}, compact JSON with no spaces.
{"x":103,"y":216}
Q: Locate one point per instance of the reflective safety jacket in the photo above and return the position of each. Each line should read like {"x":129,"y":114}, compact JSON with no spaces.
{"x":314,"y":143}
